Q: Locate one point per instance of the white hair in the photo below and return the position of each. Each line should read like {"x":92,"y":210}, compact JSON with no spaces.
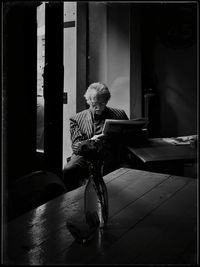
{"x":97,"y":88}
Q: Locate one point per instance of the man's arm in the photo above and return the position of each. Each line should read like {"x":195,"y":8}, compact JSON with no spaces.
{"x":76,"y":136}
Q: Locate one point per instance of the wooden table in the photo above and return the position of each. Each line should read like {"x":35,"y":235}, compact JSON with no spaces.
{"x":152,"y":219}
{"x":157,"y":155}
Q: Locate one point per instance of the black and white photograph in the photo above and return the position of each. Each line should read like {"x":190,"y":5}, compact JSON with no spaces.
{"x":100,"y":133}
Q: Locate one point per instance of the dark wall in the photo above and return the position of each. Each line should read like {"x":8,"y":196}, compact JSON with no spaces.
{"x":169,"y":66}
{"x":20,"y":77}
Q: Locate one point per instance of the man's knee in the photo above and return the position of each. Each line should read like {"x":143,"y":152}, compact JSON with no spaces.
{"x":74,"y":175}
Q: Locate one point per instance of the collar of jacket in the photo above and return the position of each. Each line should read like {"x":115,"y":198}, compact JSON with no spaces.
{"x":90,"y":120}
{"x":104,"y":115}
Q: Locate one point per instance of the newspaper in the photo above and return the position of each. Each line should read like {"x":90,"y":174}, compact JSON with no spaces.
{"x":119,"y":126}
{"x":181,"y":140}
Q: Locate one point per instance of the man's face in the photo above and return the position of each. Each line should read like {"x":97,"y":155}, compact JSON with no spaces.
{"x":98,"y":104}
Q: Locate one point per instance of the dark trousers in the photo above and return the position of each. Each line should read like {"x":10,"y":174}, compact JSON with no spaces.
{"x":76,"y":171}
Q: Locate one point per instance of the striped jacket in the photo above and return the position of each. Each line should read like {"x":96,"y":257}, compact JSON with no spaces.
{"x":82,"y":128}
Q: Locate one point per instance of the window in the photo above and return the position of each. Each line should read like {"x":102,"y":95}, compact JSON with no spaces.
{"x":40,"y":74}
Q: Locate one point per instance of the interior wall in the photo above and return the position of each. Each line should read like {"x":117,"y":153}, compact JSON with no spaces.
{"x":118,"y":55}
{"x":136,"y":94}
{"x":177,"y":84}
{"x":97,"y":42}
{"x":171,"y":71}
{"x":109,"y":51}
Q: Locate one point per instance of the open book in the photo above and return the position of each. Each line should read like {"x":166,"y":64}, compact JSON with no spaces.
{"x":124,"y":126}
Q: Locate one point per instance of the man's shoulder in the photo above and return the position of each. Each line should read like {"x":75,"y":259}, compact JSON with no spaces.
{"x":117,"y":113}
{"x":115,"y":109}
{"x":80,"y":114}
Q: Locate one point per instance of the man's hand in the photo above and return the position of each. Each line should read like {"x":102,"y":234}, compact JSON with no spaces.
{"x":98,"y":136}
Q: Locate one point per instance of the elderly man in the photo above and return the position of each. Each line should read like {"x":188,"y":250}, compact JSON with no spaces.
{"x":88,"y":124}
